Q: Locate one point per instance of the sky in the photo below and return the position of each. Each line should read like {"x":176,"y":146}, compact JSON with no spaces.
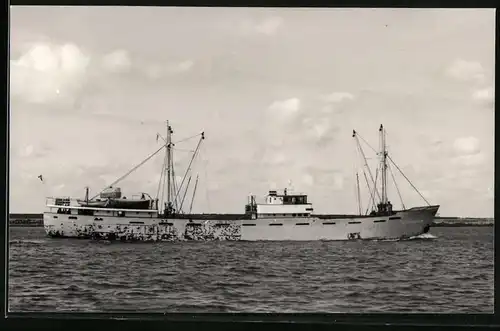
{"x":276,"y":91}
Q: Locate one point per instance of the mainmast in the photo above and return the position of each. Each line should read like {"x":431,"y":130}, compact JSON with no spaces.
{"x":384,"y":206}
{"x":383,"y":165}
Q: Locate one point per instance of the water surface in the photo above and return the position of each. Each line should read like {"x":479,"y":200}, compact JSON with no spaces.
{"x":449,"y":270}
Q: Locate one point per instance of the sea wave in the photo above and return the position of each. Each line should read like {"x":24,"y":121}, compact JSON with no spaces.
{"x":454,"y":273}
{"x":26,"y":242}
{"x":423,"y":236}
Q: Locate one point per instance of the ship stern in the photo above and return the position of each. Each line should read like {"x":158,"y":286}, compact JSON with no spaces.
{"x":50,"y":225}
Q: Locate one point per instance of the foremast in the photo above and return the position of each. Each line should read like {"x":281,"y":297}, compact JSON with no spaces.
{"x":175,"y":198}
{"x":169,"y":208}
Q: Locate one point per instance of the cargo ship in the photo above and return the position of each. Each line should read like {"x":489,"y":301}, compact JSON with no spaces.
{"x":281,"y":215}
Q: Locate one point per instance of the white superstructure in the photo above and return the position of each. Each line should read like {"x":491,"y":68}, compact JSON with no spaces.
{"x":284,"y":205}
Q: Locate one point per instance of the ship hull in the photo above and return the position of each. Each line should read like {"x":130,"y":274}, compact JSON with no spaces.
{"x":403,"y":224}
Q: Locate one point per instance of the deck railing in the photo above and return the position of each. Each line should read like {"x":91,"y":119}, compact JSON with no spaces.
{"x":72,"y":203}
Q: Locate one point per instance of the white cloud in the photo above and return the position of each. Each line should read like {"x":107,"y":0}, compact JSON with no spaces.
{"x":291,"y":127}
{"x":183,"y":66}
{"x":27,"y":151}
{"x":117,"y":61}
{"x":484,"y":95}
{"x":278,"y":159}
{"x":268,"y":26}
{"x":490,"y":193}
{"x":156,"y":70}
{"x":338,"y":181}
{"x":59,"y":188}
{"x":466,"y":145}
{"x":466,"y":70}
{"x":338,"y":97}
{"x":470,"y":160}
{"x":48,"y":73}
{"x":319,"y":129}
{"x":308,"y":179}
{"x":468,"y":152}
{"x":286,"y":107}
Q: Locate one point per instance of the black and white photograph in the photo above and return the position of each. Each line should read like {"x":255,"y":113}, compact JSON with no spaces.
{"x":271,"y":160}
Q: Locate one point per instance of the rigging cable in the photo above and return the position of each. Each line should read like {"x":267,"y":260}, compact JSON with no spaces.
{"x":174,"y":182}
{"x":196,"y":135}
{"x":376,"y":178}
{"x":161,"y":176}
{"x":366,"y":163}
{"x":176,"y":188}
{"x":207,"y":195}
{"x":189,"y":180}
{"x":185,"y":192}
{"x":371,"y":194}
{"x":397,"y":188}
{"x":194,"y":192}
{"x":357,"y":193}
{"x":373,"y":149}
{"x":183,"y":150}
{"x":390,"y":159}
{"x":190,"y":163}
{"x":163,"y":185}
{"x":130,"y":171}
{"x":374,"y":188}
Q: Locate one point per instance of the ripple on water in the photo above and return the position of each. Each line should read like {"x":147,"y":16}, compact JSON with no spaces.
{"x":450,"y":270}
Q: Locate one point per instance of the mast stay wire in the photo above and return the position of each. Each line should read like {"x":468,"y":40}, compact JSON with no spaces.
{"x":356,"y":177}
{"x":355,"y":134}
{"x":191,"y":161}
{"x":204,"y":162}
{"x":174,"y":184}
{"x":190,"y":173}
{"x":130,"y":171}
{"x":397,"y":188}
{"x":161,"y":176}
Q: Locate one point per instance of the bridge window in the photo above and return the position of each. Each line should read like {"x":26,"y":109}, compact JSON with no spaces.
{"x":295,"y":200}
